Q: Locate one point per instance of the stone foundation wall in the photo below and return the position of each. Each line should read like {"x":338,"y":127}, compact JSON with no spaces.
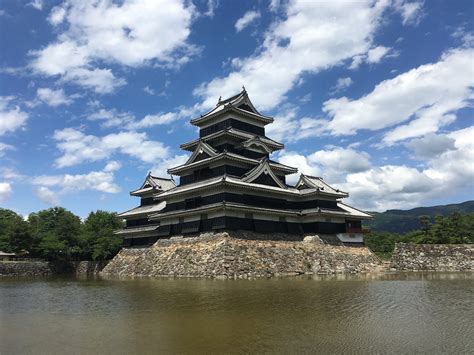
{"x":89,"y":267}
{"x":45,"y":268}
{"x":227,"y":256}
{"x":433,"y":257}
{"x":25,"y":268}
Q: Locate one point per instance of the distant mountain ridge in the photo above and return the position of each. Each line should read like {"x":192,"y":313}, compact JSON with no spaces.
{"x":403,"y":221}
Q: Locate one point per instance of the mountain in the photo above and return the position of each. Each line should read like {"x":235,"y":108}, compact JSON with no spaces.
{"x":403,"y":221}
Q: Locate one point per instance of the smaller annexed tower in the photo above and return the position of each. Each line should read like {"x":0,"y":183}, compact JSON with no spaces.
{"x":139,"y":229}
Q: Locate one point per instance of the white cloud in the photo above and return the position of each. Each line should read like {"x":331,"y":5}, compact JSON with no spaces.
{"x":129,"y":33}
{"x":341,"y":159}
{"x":301,"y":162}
{"x":53,"y":97}
{"x":112,"y":166}
{"x":416,"y":95}
{"x":153,"y":120}
{"x":11,"y":174}
{"x":52,"y":187}
{"x":11,"y":118}
{"x":342,"y":84}
{"x":161,"y":168}
{"x":212,"y":5}
{"x":77,"y":147}
{"x":5,"y":191}
{"x":126,"y":120}
{"x":411,"y":11}
{"x":36,"y":4}
{"x":376,"y":54}
{"x":284,"y":125}
{"x":149,"y":90}
{"x":455,"y":167}
{"x":111,"y":118}
{"x":274,"y":5}
{"x":465,"y":35}
{"x":335,"y":163}
{"x":246,"y":20}
{"x":102,"y":81}
{"x":4,"y":147}
{"x":47,"y":196}
{"x":431,"y":145}
{"x":57,"y":15}
{"x":94,"y":180}
{"x":60,"y":57}
{"x":307,"y":41}
{"x":393,"y":186}
{"x":287,"y":127}
{"x":389,"y":186}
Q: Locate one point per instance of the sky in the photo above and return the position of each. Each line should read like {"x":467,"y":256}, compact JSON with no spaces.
{"x":374,"y":96}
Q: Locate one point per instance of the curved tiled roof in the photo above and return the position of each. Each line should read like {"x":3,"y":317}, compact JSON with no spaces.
{"x":233,"y":103}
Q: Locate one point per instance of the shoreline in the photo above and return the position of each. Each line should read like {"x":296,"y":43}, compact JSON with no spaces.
{"x":221,"y":256}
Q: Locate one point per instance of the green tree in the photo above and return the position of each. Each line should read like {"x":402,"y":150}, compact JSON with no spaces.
{"x":55,"y":232}
{"x":14,"y":232}
{"x":98,"y":240}
{"x":441,"y":230}
{"x":457,"y":228}
{"x":468,"y":228}
{"x":382,"y":243}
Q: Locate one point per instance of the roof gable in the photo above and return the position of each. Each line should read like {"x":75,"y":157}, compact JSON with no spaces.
{"x":239,"y":104}
{"x":256,"y":142}
{"x":263,"y":168}
{"x":314,"y":182}
{"x":241,"y":100}
{"x":153,"y":184}
{"x":202,"y":151}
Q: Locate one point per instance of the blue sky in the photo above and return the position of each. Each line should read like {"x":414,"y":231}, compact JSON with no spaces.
{"x":374,"y":96}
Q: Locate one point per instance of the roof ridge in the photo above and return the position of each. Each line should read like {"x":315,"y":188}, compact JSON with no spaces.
{"x":161,"y":178}
{"x":233,"y":97}
{"x":314,"y":177}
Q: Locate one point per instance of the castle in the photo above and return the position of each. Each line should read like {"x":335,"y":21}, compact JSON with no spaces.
{"x":230,"y":183}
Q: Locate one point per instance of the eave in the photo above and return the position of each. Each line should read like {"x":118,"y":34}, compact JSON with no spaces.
{"x":137,"y":230}
{"x":230,"y":108}
{"x":224,"y":206}
{"x":227,"y":181}
{"x":232,"y":157}
{"x":248,"y":208}
{"x":318,"y":183}
{"x":232,"y":132}
{"x":142,"y":210}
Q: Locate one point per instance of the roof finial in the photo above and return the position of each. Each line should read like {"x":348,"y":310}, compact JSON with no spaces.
{"x":219,"y":101}
{"x":243,"y":88}
{"x":149,"y":173}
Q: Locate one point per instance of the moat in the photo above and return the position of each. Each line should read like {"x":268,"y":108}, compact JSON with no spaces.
{"x":391,"y":313}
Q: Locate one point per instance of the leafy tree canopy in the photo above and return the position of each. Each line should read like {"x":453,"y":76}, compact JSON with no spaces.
{"x":14,"y":232}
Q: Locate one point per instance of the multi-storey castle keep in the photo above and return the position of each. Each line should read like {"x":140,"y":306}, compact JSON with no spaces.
{"x":230,"y":183}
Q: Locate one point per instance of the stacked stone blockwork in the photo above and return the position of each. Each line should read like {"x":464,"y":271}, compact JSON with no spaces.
{"x":230,"y":183}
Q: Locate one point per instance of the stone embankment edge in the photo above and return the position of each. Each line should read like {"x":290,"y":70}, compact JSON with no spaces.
{"x":432,"y":257}
{"x":45,"y":268}
{"x":240,"y":256}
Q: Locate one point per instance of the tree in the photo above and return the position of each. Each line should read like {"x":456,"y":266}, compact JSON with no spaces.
{"x":441,"y":230}
{"x":14,"y":232}
{"x":56,"y":234}
{"x":426,"y":228}
{"x":98,"y":239}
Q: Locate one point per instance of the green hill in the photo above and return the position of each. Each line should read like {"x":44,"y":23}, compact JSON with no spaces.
{"x":403,"y":221}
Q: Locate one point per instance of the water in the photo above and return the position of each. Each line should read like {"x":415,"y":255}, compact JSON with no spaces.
{"x":411,"y":313}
